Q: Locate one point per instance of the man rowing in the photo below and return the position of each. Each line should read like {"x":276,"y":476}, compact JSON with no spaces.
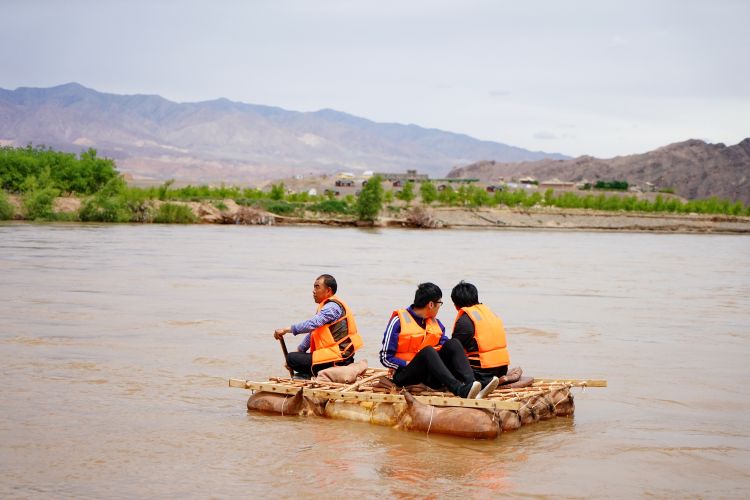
{"x":333,"y":338}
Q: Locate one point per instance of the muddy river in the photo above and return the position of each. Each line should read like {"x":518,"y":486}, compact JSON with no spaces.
{"x":117,"y":341}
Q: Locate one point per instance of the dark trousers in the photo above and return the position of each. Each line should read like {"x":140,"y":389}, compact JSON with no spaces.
{"x":301,"y":362}
{"x":447,"y":367}
{"x":484,"y":375}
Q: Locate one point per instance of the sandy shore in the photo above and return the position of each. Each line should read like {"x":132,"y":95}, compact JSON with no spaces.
{"x":545,"y":218}
{"x":590,"y":220}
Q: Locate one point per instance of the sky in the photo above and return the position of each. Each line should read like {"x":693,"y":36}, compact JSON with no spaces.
{"x":603,"y":78}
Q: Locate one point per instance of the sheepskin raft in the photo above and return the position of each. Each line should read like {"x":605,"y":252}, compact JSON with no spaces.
{"x":372,"y":398}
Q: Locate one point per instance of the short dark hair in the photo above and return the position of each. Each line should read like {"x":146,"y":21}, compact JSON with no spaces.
{"x":328,"y":281}
{"x":426,"y":293}
{"x":464,"y":294}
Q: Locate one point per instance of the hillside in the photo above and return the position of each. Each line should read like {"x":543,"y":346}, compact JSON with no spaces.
{"x":153,"y":137}
{"x":693,"y":168}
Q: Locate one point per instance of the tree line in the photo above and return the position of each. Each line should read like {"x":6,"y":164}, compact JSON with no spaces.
{"x":39,"y":175}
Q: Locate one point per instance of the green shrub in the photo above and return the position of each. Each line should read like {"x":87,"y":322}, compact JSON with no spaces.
{"x":407,"y":193}
{"x":102,"y":208}
{"x":277,"y":192}
{"x":172,"y":213}
{"x":612,"y":185}
{"x":114,"y":202}
{"x":331,"y":206}
{"x":370,"y":199}
{"x":38,"y":203}
{"x":279,"y":207}
{"x":163,"y":190}
{"x":447,"y":196}
{"x":6,"y":207}
{"x":428,"y":192}
{"x":84,"y":175}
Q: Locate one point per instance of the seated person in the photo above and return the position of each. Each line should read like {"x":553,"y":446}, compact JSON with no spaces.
{"x":416,"y":350}
{"x":333,"y":336}
{"x":481,"y":334}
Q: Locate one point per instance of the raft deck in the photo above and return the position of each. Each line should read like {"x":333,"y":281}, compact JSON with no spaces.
{"x":366,"y":389}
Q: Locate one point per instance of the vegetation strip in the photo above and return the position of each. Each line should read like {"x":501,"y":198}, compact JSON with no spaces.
{"x":39,"y":175}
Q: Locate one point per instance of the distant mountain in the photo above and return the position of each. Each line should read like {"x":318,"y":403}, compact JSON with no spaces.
{"x":224,"y":140}
{"x":693,"y":168}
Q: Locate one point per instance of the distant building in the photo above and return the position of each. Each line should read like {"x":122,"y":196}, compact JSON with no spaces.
{"x":557,"y":184}
{"x":344,"y":182}
{"x":456,"y":180}
{"x":528,"y":180}
{"x":410,"y":175}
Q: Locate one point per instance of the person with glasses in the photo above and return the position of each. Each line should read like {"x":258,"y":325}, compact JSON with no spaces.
{"x":416,"y":350}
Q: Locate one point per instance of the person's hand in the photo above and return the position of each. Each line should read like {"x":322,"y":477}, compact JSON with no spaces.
{"x":278,"y":333}
{"x":391,"y":371}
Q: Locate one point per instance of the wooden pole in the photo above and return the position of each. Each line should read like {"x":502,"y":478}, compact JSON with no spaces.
{"x":363,"y":381}
{"x":286,"y":354}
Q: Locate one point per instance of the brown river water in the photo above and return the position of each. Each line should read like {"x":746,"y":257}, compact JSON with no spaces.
{"x":117,"y":341}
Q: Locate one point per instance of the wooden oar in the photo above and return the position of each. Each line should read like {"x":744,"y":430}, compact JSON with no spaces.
{"x":286,"y":354}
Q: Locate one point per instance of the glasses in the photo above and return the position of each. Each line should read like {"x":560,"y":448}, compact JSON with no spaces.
{"x":438,"y":302}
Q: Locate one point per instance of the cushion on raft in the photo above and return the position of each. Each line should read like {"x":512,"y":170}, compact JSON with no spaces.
{"x":343,"y":374}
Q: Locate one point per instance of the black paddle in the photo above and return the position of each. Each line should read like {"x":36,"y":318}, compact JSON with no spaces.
{"x":286,"y":354}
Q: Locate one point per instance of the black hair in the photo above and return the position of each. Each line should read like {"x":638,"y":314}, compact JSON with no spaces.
{"x":464,"y":294}
{"x":329,"y":281}
{"x":426,"y":293}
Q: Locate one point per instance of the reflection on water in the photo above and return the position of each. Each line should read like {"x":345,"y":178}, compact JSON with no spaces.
{"x":116,"y":343}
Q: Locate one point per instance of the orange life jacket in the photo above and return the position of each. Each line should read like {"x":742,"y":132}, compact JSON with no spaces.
{"x":492,"y":349}
{"x":413,"y":338}
{"x":324,"y":348}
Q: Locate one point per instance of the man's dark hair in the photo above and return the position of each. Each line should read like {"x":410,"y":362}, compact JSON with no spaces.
{"x":329,"y":281}
{"x":464,"y":294}
{"x":426,"y":293}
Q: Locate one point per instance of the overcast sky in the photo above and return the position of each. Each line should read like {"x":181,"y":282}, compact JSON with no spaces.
{"x":603,"y":78}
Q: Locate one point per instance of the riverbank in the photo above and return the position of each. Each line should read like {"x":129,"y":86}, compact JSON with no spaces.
{"x":229,"y":212}
{"x":543,"y":218}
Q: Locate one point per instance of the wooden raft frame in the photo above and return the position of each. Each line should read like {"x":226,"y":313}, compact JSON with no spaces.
{"x":507,"y":398}
{"x":375,"y":397}
{"x":500,"y":399}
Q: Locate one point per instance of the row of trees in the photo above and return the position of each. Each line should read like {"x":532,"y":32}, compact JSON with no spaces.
{"x":475,"y":196}
{"x":22,"y":169}
{"x":40,"y":174}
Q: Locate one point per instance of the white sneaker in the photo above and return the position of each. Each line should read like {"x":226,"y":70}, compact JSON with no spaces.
{"x":474,"y":390}
{"x":491,"y":386}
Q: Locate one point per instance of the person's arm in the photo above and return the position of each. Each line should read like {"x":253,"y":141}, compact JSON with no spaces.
{"x":330,"y":312}
{"x":305,"y":344}
{"x":443,"y":336}
{"x":464,"y":332}
{"x":390,"y":345}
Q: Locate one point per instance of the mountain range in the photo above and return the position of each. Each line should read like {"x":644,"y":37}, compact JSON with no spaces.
{"x":694,"y":169}
{"x":222,"y":140}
